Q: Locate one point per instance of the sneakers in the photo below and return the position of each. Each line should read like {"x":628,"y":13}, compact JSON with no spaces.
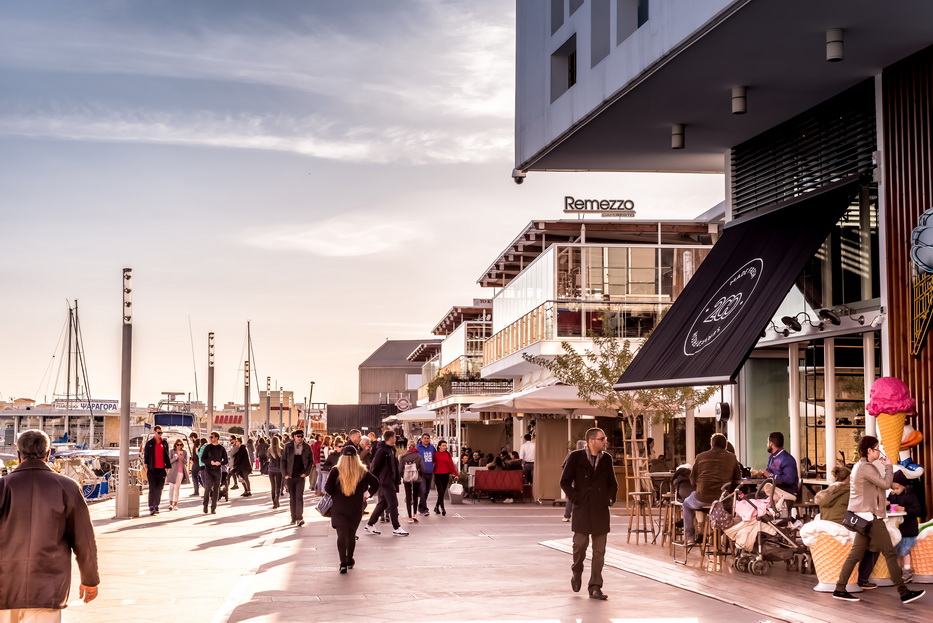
{"x":300,"y":522}
{"x":867,"y":585}
{"x":847,"y":596}
{"x":425,"y":513}
{"x":372,"y":529}
{"x":400,"y":531}
{"x":565,"y":518}
{"x":910,"y":596}
{"x":411,"y":520}
{"x":507,"y":501}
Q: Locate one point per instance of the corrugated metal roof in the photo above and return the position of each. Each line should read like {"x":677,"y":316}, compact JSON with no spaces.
{"x":394,"y":354}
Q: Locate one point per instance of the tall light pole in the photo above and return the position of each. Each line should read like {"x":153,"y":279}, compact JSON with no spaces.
{"x":246,"y":398}
{"x":281,"y":422}
{"x":210,"y":380}
{"x":269,"y":402}
{"x":123,"y":470}
{"x":308,"y":409}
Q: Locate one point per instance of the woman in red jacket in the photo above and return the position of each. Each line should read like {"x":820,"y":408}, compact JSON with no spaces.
{"x":443,"y":468}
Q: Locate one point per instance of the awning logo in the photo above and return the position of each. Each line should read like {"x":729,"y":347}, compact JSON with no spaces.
{"x":723,"y":307}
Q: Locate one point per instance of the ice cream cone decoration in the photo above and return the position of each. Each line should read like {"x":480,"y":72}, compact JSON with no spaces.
{"x":891,"y":431}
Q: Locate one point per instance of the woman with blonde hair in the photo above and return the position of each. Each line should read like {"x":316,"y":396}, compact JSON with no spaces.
{"x":274,"y":469}
{"x":347,"y":484}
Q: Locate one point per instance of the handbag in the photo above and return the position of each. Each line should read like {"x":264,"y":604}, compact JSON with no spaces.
{"x":325,"y":505}
{"x":720,"y":517}
{"x":856,"y":524}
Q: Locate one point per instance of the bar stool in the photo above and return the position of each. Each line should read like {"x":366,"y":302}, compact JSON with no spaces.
{"x":666,"y":518}
{"x":702,"y":513}
{"x":640,"y":519}
{"x":712,"y":541}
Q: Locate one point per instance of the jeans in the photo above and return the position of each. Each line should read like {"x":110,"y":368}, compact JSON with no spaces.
{"x":211,"y":487}
{"x":195,"y":480}
{"x":412,"y":495}
{"x":691,"y":506}
{"x":275,"y":486}
{"x":296,"y":497}
{"x":441,"y":481}
{"x":425,"y":490}
{"x":879,"y":537}
{"x":388,"y":502}
{"x":244,"y":478}
{"x":528,"y":469}
{"x":580,"y":543}
{"x":156,"y":477}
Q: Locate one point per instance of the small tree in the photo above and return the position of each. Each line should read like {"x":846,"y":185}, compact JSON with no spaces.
{"x":596,"y":370}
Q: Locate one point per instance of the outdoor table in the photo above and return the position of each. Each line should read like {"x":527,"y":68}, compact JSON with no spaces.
{"x":664,"y":477}
{"x":812,"y":483}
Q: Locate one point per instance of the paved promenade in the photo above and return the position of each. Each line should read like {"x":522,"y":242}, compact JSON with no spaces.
{"x":481,"y":562}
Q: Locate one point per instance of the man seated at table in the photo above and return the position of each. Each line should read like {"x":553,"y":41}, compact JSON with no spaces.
{"x":782,"y":467}
{"x":711,"y":470}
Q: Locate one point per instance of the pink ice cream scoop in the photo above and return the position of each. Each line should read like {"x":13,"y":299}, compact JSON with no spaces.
{"x":889,"y":395}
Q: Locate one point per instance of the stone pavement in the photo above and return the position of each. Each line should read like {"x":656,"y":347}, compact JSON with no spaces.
{"x":481,"y":562}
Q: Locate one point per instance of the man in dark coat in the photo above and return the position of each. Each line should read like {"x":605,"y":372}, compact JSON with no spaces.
{"x":214,"y":457}
{"x":155,"y":455}
{"x":589,"y":481}
{"x":43,"y":519}
{"x":242,"y":466}
{"x":296,"y":465}
{"x":385,"y":468}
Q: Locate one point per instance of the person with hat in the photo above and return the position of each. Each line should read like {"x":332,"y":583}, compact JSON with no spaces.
{"x":903,"y":499}
{"x":296,"y":463}
{"x":348,"y":484}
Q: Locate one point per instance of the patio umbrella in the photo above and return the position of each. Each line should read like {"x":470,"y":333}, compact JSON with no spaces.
{"x":552,"y":398}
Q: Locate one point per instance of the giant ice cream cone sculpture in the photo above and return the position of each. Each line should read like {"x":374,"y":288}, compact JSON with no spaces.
{"x":890,"y":432}
{"x":830,"y":544}
{"x":890,"y":403}
{"x":921,"y":556}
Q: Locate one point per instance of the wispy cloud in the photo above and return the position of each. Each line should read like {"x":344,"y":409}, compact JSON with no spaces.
{"x":341,"y":236}
{"x":424,"y":81}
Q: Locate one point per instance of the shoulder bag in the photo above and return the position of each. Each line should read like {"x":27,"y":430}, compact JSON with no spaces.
{"x":325,"y":505}
{"x":856,"y":524}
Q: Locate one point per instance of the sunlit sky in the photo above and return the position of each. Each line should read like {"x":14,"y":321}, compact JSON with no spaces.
{"x":336,"y":173}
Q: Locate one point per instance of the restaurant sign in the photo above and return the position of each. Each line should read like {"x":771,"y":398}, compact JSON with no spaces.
{"x":606,"y":207}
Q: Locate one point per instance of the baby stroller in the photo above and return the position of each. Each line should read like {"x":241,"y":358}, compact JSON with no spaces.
{"x":761,"y":539}
{"x":224,"y":484}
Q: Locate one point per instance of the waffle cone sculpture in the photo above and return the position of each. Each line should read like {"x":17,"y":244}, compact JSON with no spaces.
{"x":880,"y":572}
{"x":921,"y":556}
{"x":891,"y":431}
{"x":828,"y":556}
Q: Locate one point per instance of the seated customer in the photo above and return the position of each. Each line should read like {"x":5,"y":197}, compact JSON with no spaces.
{"x":711,"y":470}
{"x":782,"y":467}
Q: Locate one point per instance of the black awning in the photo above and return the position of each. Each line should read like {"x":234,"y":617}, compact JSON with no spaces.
{"x":714,"y":324}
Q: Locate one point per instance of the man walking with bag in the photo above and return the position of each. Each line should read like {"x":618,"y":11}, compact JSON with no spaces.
{"x":589,"y":481}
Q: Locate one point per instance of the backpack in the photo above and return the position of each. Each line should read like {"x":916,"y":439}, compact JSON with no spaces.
{"x":410,"y":473}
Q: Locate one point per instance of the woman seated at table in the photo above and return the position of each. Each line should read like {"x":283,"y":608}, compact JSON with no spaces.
{"x":834,"y":501}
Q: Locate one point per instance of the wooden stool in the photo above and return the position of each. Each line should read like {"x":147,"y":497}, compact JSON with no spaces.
{"x":675,"y":534}
{"x":702,"y":513}
{"x":713,"y":542}
{"x":640,"y":519}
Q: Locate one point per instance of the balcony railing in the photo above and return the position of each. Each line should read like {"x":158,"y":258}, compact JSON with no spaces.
{"x":566,"y":320}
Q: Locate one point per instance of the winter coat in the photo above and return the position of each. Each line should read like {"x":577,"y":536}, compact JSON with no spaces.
{"x":149,"y":451}
{"x":912,"y":507}
{"x":867,"y":487}
{"x":833,"y":501}
{"x":242,"y":466}
{"x":172,"y":476}
{"x":412,"y":456}
{"x":289,"y":458}
{"x":43,"y":517}
{"x":711,"y":471}
{"x":347,"y":511}
{"x":385,"y":467}
{"x":592,"y":491}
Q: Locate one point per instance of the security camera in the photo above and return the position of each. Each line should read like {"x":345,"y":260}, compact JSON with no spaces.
{"x":518,"y":176}
{"x":876,"y":322}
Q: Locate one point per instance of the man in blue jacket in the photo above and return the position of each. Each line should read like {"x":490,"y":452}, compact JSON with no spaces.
{"x":783,"y":468}
{"x":426,"y":449}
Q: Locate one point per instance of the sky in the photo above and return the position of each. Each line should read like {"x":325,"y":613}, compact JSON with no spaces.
{"x":334,"y":173}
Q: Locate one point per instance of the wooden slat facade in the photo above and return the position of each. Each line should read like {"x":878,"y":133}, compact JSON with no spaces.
{"x":907,"y":96}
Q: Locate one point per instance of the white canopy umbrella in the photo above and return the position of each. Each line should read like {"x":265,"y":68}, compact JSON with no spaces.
{"x":418,"y":414}
{"x":554,"y":398}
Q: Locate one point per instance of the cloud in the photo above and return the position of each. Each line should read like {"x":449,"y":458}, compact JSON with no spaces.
{"x":347,"y":235}
{"x":423,"y":82}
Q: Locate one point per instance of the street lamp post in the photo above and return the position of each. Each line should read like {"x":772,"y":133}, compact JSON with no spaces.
{"x":246,"y":398}
{"x":308,"y":409}
{"x":269,"y":402}
{"x":281,"y":420}
{"x":123,"y":470}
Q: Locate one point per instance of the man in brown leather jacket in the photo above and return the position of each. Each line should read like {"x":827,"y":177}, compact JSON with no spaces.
{"x":43,"y":518}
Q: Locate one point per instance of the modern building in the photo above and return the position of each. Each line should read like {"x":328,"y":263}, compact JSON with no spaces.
{"x":819,"y":117}
{"x":566,"y":281}
{"x":387,"y":376}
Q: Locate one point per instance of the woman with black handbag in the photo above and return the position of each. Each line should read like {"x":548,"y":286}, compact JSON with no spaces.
{"x":866,"y":514}
{"x":347,"y":484}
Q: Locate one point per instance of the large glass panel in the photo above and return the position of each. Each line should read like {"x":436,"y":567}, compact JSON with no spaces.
{"x":765,"y":408}
{"x":530,"y":289}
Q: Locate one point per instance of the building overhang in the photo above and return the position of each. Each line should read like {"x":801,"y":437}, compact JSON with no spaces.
{"x":774,"y":48}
